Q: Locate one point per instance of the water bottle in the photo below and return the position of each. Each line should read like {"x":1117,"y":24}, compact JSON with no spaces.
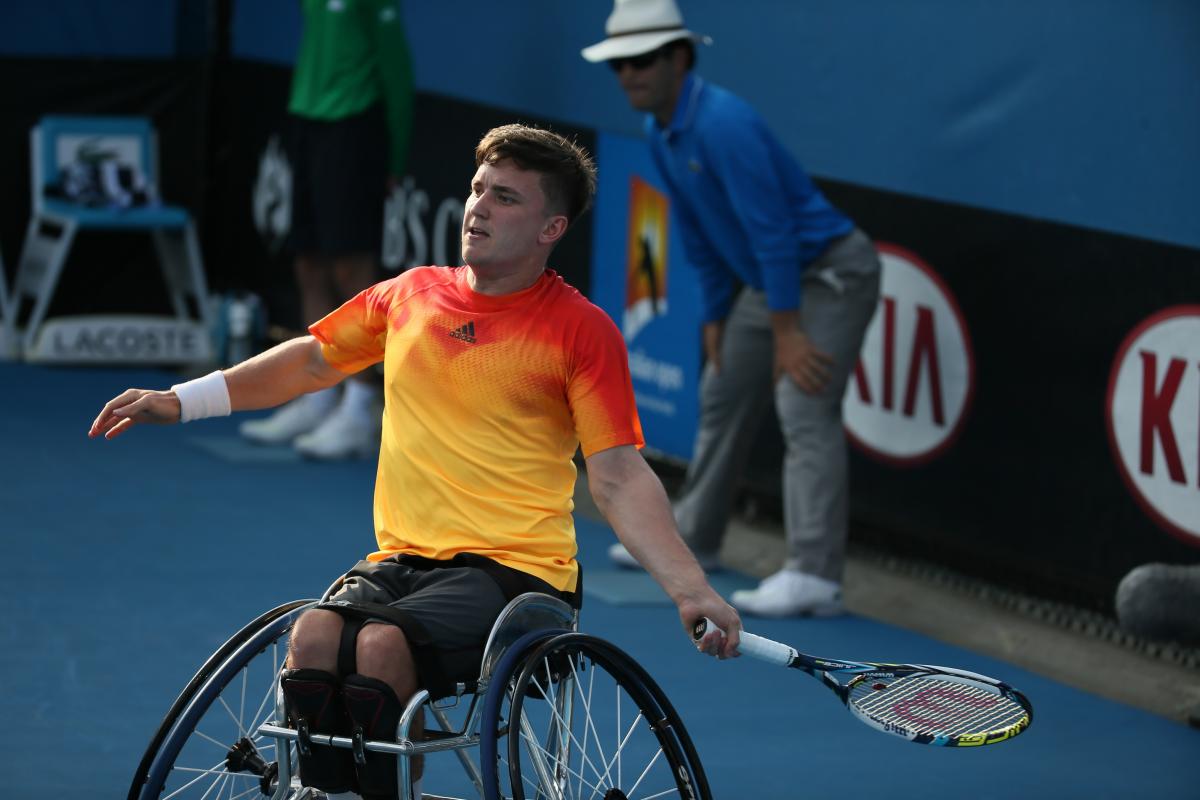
{"x":241,"y":329}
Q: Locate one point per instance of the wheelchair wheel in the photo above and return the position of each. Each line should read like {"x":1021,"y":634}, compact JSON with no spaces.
{"x":578,"y":717}
{"x":206,"y":746}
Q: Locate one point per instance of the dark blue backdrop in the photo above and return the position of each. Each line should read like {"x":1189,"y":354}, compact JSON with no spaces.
{"x":1078,"y":111}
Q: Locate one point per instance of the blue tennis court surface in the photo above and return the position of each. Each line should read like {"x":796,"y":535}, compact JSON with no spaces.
{"x":125,"y":564}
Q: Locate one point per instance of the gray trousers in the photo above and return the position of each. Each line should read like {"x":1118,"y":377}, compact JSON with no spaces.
{"x":840,"y":293}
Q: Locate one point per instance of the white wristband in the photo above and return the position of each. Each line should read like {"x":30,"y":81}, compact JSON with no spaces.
{"x":203,"y":397}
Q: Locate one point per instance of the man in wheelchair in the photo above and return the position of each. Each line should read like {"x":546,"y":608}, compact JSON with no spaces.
{"x":495,"y":373}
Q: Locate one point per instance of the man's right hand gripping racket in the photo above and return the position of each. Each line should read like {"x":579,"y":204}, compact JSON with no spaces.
{"x":918,"y":702}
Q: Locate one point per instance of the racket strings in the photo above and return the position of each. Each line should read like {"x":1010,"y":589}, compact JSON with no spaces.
{"x":929,"y":705}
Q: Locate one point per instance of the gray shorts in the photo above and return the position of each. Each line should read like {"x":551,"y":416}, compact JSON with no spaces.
{"x":445,"y":608}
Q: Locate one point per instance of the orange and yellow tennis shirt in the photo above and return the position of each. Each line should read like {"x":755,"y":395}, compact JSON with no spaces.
{"x":486,"y":400}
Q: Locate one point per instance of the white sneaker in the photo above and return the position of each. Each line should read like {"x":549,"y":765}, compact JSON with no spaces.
{"x":623,"y":558}
{"x":791,"y":593}
{"x":343,"y":434}
{"x":291,"y":419}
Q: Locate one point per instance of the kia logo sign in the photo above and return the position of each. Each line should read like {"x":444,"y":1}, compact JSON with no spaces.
{"x":915,"y":377}
{"x":1153,"y":414}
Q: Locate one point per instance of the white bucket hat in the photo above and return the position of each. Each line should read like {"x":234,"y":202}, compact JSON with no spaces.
{"x":640,"y":26}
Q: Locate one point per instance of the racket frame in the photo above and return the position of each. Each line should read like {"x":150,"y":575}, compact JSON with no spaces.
{"x":841,"y":677}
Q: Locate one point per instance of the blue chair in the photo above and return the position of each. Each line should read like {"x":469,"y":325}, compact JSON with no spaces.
{"x":57,"y":143}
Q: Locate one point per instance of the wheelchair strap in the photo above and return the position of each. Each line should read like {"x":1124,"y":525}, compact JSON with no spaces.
{"x":347,"y":657}
{"x":356,"y":614}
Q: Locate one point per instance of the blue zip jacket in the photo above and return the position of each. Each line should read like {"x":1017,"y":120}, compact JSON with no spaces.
{"x":746,"y":208}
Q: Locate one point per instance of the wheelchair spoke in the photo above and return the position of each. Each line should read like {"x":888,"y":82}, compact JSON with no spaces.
{"x":584,"y":695}
{"x":227,"y":702}
{"x":617,"y":727}
{"x":664,"y":793}
{"x":222,"y":779}
{"x":207,"y":738}
{"x":266,"y":706}
{"x":236,"y":721}
{"x":595,"y":787}
{"x":620,"y":749}
{"x":586,"y":700}
{"x":218,"y":784}
{"x":241,"y":715}
{"x":642,"y":777}
{"x":585,"y":760}
{"x":225,"y":783}
{"x":252,"y":790}
{"x":586,"y":730}
{"x":216,"y":770}
{"x":601,"y":765}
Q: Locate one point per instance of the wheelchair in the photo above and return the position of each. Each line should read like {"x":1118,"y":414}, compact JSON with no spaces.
{"x":554,"y":714}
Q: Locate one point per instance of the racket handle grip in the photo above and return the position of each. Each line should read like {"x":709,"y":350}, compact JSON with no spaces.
{"x":749,"y":644}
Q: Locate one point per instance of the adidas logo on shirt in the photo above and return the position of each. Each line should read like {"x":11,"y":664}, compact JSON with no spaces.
{"x":466,"y":332}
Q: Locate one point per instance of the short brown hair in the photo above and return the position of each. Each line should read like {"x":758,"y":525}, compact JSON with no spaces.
{"x":568,"y":171}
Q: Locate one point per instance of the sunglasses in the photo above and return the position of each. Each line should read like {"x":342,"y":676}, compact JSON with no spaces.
{"x":637,"y":62}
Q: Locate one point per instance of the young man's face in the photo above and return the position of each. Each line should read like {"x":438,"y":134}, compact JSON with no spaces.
{"x":504,"y":216}
{"x":651,"y":81}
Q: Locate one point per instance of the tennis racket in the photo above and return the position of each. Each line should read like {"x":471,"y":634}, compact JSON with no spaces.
{"x":921,"y":703}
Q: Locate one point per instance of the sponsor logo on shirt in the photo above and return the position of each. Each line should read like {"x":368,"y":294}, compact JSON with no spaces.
{"x":466,"y":332}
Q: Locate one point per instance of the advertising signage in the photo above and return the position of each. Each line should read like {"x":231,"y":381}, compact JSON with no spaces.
{"x":642,"y":279}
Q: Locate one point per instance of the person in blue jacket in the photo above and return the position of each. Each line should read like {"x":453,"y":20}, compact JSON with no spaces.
{"x":789,"y":285}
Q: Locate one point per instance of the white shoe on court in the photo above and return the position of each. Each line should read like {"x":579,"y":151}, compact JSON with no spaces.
{"x":345,"y":433}
{"x":290,"y":420}
{"x":791,"y":593}
{"x":623,"y":558}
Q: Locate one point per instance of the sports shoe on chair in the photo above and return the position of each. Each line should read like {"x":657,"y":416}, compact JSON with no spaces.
{"x":623,"y":558}
{"x":289,"y":421}
{"x":791,"y":593}
{"x":345,"y":433}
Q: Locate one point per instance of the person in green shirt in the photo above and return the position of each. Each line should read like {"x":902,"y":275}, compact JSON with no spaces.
{"x":350,"y":113}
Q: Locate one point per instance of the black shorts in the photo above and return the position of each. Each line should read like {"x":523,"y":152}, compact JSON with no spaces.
{"x":339,"y":183}
{"x":445,"y":608}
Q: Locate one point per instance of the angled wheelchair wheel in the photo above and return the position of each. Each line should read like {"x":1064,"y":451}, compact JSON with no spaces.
{"x":579,"y":718}
{"x":206,"y":746}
